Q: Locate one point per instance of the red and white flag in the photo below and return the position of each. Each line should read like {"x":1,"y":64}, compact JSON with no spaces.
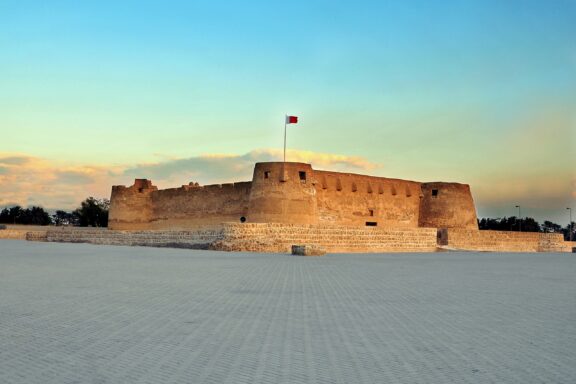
{"x":291,"y":119}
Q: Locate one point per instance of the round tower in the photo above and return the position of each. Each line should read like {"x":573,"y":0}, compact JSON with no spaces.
{"x":283,"y":193}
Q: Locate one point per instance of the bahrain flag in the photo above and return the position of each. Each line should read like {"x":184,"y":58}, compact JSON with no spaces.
{"x":291,"y":119}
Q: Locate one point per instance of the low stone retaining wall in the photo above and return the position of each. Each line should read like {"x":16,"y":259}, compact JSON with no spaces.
{"x":266,"y":237}
{"x":504,"y":241}
{"x":199,"y":239}
{"x":13,"y":234}
{"x":276,"y":237}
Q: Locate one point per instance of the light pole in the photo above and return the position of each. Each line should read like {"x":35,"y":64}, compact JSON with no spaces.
{"x":519,"y":219}
{"x":570,"y":229}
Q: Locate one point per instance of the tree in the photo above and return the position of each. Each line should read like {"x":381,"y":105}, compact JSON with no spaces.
{"x":530,"y":225}
{"x":64,"y":218}
{"x":566,"y":231}
{"x":93,"y":212}
{"x":551,"y":227}
{"x":37,"y":216}
{"x":511,"y":223}
{"x":18,"y":215}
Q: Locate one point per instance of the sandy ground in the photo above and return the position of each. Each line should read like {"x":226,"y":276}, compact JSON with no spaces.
{"x":78,"y":313}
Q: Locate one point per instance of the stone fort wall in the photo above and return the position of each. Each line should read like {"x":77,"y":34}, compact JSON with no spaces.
{"x":279,"y":237}
{"x":504,"y":241}
{"x":261,"y":237}
{"x":294,"y":193}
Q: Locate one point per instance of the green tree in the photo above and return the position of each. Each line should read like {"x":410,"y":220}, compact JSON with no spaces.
{"x":93,"y":212}
{"x":18,"y":215}
{"x":569,"y":228}
{"x":551,"y":227}
{"x":64,"y":218}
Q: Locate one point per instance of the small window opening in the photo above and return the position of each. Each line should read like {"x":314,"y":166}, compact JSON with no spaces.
{"x":371,"y":212}
{"x":140,"y":190}
{"x":434,"y":192}
{"x":371,"y":224}
{"x":242,"y":219}
{"x":266,"y":174}
{"x":302,"y":176}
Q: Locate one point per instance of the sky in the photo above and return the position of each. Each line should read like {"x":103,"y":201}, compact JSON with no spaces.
{"x":97,"y":93}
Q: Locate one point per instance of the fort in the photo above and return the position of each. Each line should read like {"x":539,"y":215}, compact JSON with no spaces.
{"x":291,"y":203}
{"x":295,"y":193}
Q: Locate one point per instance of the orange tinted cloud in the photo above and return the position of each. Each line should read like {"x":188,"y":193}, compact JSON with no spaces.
{"x":28,"y":180}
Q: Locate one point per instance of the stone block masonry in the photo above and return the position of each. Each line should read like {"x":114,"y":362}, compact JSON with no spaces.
{"x":197,"y":239}
{"x":505,"y":241}
{"x":263,"y":237}
{"x":22,"y":233}
{"x":279,"y":238}
{"x":307,"y":250}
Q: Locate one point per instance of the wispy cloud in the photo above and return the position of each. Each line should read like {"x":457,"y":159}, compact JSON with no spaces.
{"x":213,"y":168}
{"x":29,"y":180}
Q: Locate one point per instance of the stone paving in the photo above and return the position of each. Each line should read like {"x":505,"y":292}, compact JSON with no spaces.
{"x":79,"y":313}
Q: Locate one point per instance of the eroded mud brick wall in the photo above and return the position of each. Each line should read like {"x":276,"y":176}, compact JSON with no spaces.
{"x":131,"y":207}
{"x":447,"y":205}
{"x":190,"y":206}
{"x":350,"y":199}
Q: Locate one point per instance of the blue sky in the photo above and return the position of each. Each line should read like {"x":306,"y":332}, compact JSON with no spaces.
{"x":481,"y":92}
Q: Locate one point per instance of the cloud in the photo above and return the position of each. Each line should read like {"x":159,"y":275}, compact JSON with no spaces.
{"x":214,"y":168}
{"x":14,"y":160}
{"x":73,"y":177}
{"x":28,"y":180}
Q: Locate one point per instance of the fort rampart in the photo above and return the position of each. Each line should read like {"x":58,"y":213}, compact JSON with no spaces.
{"x":294,"y":193}
{"x":505,"y":241}
{"x":278,"y":237}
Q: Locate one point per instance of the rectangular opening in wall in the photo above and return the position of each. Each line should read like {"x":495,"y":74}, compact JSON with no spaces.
{"x":302,"y":176}
{"x":371,"y":224}
{"x":266,"y":174}
{"x":434,"y":192}
{"x":371,"y":212}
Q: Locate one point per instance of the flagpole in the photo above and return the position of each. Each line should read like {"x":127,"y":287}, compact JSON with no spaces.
{"x":285,"y":118}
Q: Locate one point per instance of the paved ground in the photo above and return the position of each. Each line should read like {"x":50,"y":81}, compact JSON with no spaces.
{"x":74,"y":313}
